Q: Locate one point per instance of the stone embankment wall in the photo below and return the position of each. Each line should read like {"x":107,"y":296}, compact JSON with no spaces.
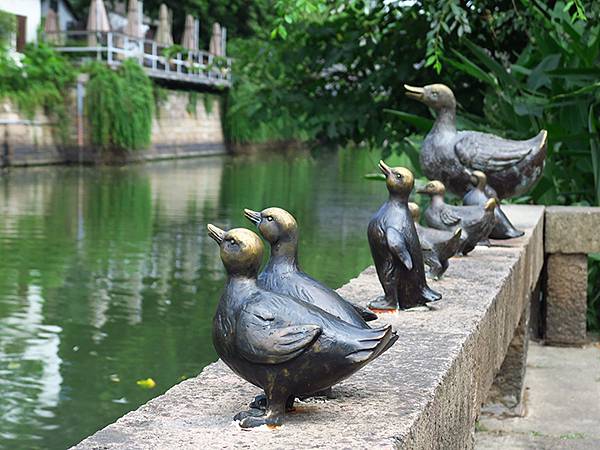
{"x":26,"y":140}
{"x":178,"y":131}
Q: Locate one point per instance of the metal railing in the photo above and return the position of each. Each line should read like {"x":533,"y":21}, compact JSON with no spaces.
{"x":198,"y":66}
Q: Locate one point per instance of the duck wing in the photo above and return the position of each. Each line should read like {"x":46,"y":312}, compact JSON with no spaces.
{"x":448,"y":217}
{"x":398,"y":246}
{"x":260,"y":341}
{"x":490,"y":153}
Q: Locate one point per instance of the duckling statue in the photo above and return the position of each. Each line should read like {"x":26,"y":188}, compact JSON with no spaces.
{"x":283,"y":275}
{"x":476,"y":221}
{"x":512,"y":167}
{"x":476,"y":195}
{"x":395,"y":247}
{"x":281,"y":344}
{"x":438,"y":245}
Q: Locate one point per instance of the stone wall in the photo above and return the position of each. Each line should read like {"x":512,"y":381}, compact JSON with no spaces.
{"x":178,"y":131}
{"x":26,"y":139}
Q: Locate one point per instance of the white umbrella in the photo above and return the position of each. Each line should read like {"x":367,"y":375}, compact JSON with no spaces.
{"x":97,"y":21}
{"x":51,"y":27}
{"x":188,"y":39}
{"x":134,"y":27}
{"x":163,"y":34}
{"x":215,"y":40}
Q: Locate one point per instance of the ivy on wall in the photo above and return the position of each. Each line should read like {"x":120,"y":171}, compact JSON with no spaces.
{"x":120,"y":105}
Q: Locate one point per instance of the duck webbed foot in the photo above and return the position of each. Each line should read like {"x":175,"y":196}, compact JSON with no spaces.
{"x":485,"y":242}
{"x":429,"y":295}
{"x":383,"y":303}
{"x":252,"y":412}
{"x":436,"y":268}
{"x":272,"y":416}
{"x":257,"y":421}
{"x":260,"y":403}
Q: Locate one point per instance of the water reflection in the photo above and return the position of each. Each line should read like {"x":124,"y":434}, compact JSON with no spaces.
{"x":107,"y":275}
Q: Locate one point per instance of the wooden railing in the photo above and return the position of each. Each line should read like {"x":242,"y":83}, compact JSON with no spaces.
{"x":200,"y":67}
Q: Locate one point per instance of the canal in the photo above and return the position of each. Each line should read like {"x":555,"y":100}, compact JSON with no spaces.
{"x":107,"y":275}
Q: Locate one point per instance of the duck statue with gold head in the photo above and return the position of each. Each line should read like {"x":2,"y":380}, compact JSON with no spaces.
{"x":283,"y":274}
{"x":513,"y":167}
{"x":287,"y":347}
{"x":476,"y":221}
{"x":395,"y":247}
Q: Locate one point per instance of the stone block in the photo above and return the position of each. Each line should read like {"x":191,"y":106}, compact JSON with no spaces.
{"x":505,"y":398}
{"x":566,"y":299}
{"x":572,"y":229}
{"x":424,"y":393}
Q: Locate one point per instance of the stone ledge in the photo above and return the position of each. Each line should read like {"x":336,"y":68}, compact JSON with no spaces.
{"x":425,"y":392}
{"x":572,"y":229}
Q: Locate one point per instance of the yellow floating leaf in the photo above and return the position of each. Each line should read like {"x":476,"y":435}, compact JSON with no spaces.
{"x":148,"y":383}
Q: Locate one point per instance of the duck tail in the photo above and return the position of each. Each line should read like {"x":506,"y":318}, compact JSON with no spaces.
{"x":452,"y":246}
{"x":372,"y":344}
{"x":490,"y":205}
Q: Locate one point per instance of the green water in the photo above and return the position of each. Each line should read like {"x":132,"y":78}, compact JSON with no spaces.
{"x":107,"y":275}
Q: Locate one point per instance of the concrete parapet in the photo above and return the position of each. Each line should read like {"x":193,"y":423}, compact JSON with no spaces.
{"x":572,"y":229}
{"x":425,"y":392}
{"x":571,"y":233}
{"x":566,"y":299}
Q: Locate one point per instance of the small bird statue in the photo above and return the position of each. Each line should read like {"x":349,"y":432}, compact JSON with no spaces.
{"x":281,"y":344}
{"x":476,"y":221}
{"x":438,"y":245}
{"x":512,"y":167}
{"x":283,"y":275}
{"x":476,"y":195}
{"x":395,"y":247}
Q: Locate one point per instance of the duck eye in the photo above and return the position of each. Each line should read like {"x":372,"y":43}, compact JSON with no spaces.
{"x":232,"y":241}
{"x":399,"y":176}
{"x":270,"y":219}
{"x":434,"y":94}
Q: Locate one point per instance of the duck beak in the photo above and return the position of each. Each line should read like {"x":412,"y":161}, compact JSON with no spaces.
{"x":252,"y":216}
{"x":423,"y":190}
{"x":216,"y":233}
{"x":385,"y":169}
{"x":418,"y":93}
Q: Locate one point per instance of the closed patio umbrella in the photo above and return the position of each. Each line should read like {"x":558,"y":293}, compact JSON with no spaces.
{"x":188,"y":39}
{"x":163,"y":34}
{"x":97,"y":21}
{"x":134,"y":27}
{"x":215,"y":40}
{"x":51,"y":28}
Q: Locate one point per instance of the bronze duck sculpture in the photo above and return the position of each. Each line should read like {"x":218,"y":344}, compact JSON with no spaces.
{"x":281,"y":344}
{"x":476,"y":221}
{"x":395,"y":247}
{"x":438,"y":245}
{"x":283,"y":274}
{"x":448,"y":155}
{"x":476,"y":195}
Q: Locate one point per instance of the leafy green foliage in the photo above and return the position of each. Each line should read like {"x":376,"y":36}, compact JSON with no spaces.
{"x":7,"y":28}
{"x":40,"y":80}
{"x":120,"y":106}
{"x":551,"y":84}
{"x":593,"y":312}
{"x":192,"y":104}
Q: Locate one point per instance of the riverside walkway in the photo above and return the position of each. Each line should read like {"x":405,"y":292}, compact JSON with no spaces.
{"x":196,"y":67}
